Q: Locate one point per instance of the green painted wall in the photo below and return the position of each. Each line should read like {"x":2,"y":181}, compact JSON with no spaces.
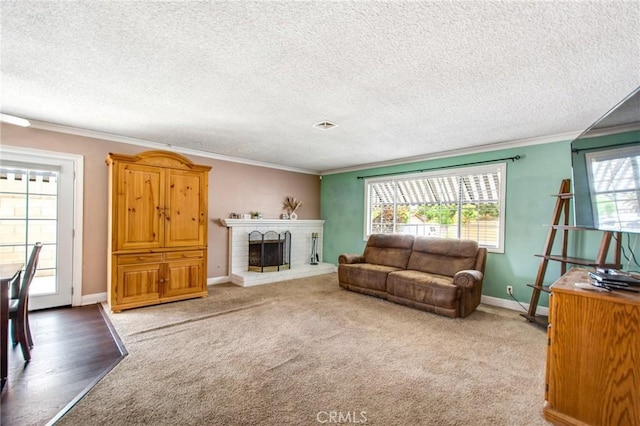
{"x":531,"y":183}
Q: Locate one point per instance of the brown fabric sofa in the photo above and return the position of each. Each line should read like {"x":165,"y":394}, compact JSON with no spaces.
{"x":434,"y":274}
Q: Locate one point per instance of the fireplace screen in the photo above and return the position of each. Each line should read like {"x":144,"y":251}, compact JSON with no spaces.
{"x":269,"y":251}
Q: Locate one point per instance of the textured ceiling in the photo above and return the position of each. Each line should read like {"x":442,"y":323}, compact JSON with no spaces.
{"x":249,"y":79}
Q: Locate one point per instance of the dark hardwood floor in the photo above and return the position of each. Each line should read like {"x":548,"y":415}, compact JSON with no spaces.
{"x":73,"y":349}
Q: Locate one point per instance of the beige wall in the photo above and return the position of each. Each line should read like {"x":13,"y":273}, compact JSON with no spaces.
{"x":233,"y":187}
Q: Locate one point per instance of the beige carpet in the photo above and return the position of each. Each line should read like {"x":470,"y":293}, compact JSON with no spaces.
{"x":307,"y":352}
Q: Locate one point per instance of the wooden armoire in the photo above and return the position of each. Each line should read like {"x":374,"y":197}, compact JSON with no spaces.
{"x":157,"y":229}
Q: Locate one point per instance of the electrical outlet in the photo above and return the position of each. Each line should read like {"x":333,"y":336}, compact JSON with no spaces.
{"x":510,"y":290}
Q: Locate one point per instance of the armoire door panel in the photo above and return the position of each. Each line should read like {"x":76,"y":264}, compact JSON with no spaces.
{"x":140,"y":215}
{"x":183,"y":277}
{"x":185,"y":219}
{"x":138,"y":283}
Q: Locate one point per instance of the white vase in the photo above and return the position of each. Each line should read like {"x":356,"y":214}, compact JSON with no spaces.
{"x":293,"y":216}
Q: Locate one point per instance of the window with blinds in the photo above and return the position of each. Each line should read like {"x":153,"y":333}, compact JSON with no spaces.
{"x":454,"y":203}
{"x":615,"y":188}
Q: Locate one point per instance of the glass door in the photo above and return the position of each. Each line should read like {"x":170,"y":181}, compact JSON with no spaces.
{"x":32,"y":210}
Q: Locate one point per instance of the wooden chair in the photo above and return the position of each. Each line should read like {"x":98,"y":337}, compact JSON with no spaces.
{"x":19,"y":308}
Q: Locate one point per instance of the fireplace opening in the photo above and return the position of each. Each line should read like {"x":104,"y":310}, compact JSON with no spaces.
{"x":270,"y":251}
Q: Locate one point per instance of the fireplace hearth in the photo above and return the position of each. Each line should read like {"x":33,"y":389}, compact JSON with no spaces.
{"x":269,"y":251}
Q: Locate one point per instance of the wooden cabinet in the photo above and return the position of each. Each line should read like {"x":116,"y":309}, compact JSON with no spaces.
{"x":158,"y":229}
{"x":593,"y":357}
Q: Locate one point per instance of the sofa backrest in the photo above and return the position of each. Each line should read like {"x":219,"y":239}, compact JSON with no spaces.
{"x":389,"y":249}
{"x":443,"y":256}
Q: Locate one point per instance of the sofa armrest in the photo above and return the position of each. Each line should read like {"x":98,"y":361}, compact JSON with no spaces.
{"x":468,"y":278}
{"x":351,"y":258}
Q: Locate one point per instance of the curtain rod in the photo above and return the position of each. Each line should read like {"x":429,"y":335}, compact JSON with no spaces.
{"x":517,"y":157}
{"x":593,"y":148}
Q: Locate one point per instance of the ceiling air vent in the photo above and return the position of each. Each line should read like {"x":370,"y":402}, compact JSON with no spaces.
{"x":324,"y":125}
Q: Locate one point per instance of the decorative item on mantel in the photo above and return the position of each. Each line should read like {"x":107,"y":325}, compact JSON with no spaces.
{"x":245,"y":216}
{"x":291,"y":204}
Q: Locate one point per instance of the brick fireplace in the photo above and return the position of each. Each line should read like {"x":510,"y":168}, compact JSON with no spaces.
{"x":301,"y":246}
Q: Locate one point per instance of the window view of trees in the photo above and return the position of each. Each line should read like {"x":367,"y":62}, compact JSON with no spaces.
{"x":454,"y":206}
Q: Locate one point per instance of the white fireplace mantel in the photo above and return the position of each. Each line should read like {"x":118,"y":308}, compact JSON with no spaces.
{"x":301,"y":242}
{"x":255,"y":223}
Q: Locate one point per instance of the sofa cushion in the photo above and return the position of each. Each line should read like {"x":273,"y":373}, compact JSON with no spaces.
{"x":365,"y":275}
{"x":425,"y":288}
{"x":389,"y":250}
{"x":442,"y":256}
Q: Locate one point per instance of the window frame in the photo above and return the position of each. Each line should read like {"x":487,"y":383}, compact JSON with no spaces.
{"x":70,"y":195}
{"x":500,"y":168}
{"x":632,"y":154}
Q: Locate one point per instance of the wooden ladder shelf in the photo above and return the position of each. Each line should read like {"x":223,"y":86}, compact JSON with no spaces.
{"x":560,"y":221}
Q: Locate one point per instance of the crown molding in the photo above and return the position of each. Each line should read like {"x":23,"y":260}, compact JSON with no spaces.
{"x":568,"y":136}
{"x":540,"y":140}
{"x":458,"y":152}
{"x":42,"y":125}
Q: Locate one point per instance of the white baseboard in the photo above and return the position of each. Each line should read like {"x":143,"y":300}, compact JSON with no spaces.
{"x":91,"y":299}
{"x":218,"y":280}
{"x":510,"y":304}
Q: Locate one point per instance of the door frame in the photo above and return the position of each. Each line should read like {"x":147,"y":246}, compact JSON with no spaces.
{"x":38,"y":156}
